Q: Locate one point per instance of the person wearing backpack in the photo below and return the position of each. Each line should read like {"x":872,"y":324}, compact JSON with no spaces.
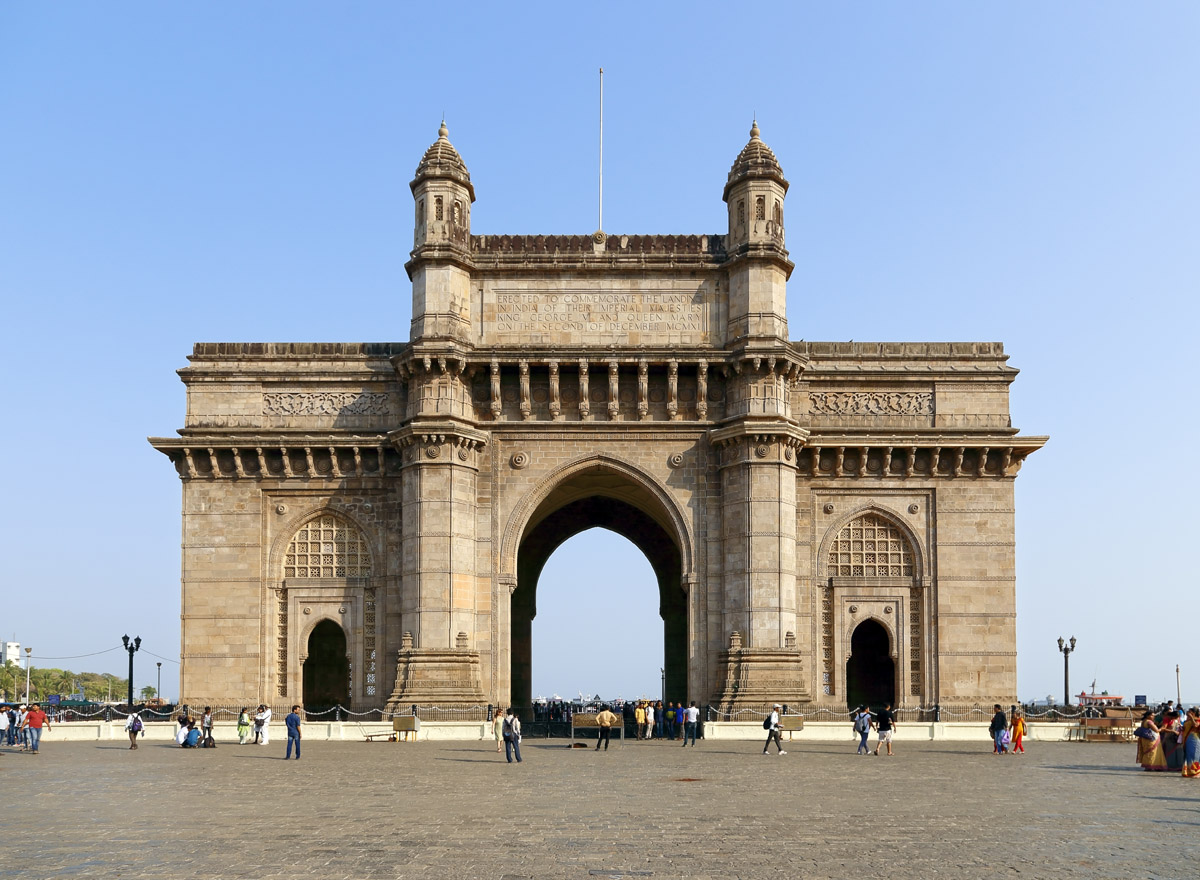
{"x":771,"y":726}
{"x":512,"y":736}
{"x":862,"y":727}
{"x":135,"y":728}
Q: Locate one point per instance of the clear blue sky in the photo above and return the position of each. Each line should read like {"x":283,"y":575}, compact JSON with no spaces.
{"x":1024,"y":172}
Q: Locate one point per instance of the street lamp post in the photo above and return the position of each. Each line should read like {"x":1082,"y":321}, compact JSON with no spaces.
{"x":1066,"y":652}
{"x":158,"y":690}
{"x":28,"y":652}
{"x":132,"y":648}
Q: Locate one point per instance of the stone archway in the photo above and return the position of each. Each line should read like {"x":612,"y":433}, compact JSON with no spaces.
{"x":326,"y":667}
{"x":870,"y":671}
{"x":600,"y":498}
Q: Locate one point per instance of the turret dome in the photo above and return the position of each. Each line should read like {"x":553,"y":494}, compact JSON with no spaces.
{"x":441,"y":160}
{"x":756,"y":160}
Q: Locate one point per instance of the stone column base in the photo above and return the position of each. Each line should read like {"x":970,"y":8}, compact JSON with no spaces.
{"x":442,"y":677}
{"x":754,"y":678}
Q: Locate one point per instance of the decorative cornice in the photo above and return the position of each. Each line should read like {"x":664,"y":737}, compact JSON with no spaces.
{"x":259,"y":458}
{"x":759,"y":431}
{"x":825,"y":459}
{"x":438,"y":431}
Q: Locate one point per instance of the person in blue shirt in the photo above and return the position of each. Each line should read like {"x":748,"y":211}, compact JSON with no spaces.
{"x":293,"y":732}
{"x":862,"y":727}
{"x":192,"y":739}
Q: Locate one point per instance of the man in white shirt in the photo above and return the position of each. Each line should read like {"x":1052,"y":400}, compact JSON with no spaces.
{"x":773,"y":730}
{"x":691,"y":718}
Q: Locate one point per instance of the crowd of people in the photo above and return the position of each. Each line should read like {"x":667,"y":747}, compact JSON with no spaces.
{"x":1169,"y":740}
{"x":197,"y":733}
{"x":21,"y":726}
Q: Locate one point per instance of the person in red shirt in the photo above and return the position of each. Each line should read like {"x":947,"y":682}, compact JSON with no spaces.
{"x":35,"y":719}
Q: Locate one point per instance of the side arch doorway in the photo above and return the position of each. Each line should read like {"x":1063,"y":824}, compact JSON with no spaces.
{"x":870,"y":671}
{"x":600,"y":498}
{"x":326,"y":668}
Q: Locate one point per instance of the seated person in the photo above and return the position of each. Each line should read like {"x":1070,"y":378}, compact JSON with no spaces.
{"x":193,"y":736}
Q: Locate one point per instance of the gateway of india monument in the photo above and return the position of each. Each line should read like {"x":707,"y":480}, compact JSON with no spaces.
{"x":828,"y":522}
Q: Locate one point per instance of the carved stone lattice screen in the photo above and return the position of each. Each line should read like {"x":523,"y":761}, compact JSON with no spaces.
{"x":914,"y":637}
{"x":870,"y":546}
{"x":369,"y":687}
{"x":327,"y":547}
{"x":827,"y":640}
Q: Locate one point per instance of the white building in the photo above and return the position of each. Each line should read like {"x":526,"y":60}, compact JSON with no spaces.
{"x":10,"y":651}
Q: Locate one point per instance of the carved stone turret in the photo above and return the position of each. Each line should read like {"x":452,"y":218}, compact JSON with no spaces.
{"x":758,"y":261}
{"x":440,"y":264}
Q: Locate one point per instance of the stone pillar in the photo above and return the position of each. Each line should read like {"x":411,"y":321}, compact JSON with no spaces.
{"x":438,"y":581}
{"x":758,"y":490}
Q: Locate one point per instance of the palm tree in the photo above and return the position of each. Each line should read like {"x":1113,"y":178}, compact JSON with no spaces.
{"x":9,"y":675}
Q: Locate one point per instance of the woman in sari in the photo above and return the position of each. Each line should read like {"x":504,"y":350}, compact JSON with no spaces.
{"x":1172,"y":744}
{"x":1149,"y":745}
{"x":1190,"y":737}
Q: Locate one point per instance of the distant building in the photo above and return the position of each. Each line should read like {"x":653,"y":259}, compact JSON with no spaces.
{"x":10,"y":651}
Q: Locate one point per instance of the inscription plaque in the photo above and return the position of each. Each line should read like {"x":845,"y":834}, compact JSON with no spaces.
{"x":590,"y":311}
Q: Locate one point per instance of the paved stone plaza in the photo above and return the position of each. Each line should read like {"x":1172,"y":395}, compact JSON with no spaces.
{"x":351,"y":810}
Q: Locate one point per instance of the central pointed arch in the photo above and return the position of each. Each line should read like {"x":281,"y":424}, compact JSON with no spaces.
{"x":656,"y":501}
{"x":598,"y":491}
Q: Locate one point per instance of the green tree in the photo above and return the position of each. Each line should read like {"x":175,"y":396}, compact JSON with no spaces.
{"x":148,"y":692}
{"x":10,"y":675}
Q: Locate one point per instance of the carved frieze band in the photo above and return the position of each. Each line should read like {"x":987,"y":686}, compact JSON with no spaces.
{"x":325,"y":403}
{"x":871,"y":403}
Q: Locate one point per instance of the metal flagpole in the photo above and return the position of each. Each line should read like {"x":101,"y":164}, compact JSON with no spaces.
{"x":600,"y":219}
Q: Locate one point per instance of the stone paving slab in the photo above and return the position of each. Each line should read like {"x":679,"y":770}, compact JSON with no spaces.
{"x":720,"y":810}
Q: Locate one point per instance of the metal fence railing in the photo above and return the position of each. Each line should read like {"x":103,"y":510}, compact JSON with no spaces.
{"x":555,"y":719}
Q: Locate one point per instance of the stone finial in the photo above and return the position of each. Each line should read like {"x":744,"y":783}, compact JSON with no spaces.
{"x":754,"y":132}
{"x":460,"y":641}
{"x":735,"y":641}
{"x":406,"y":641}
{"x":443,"y":132}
